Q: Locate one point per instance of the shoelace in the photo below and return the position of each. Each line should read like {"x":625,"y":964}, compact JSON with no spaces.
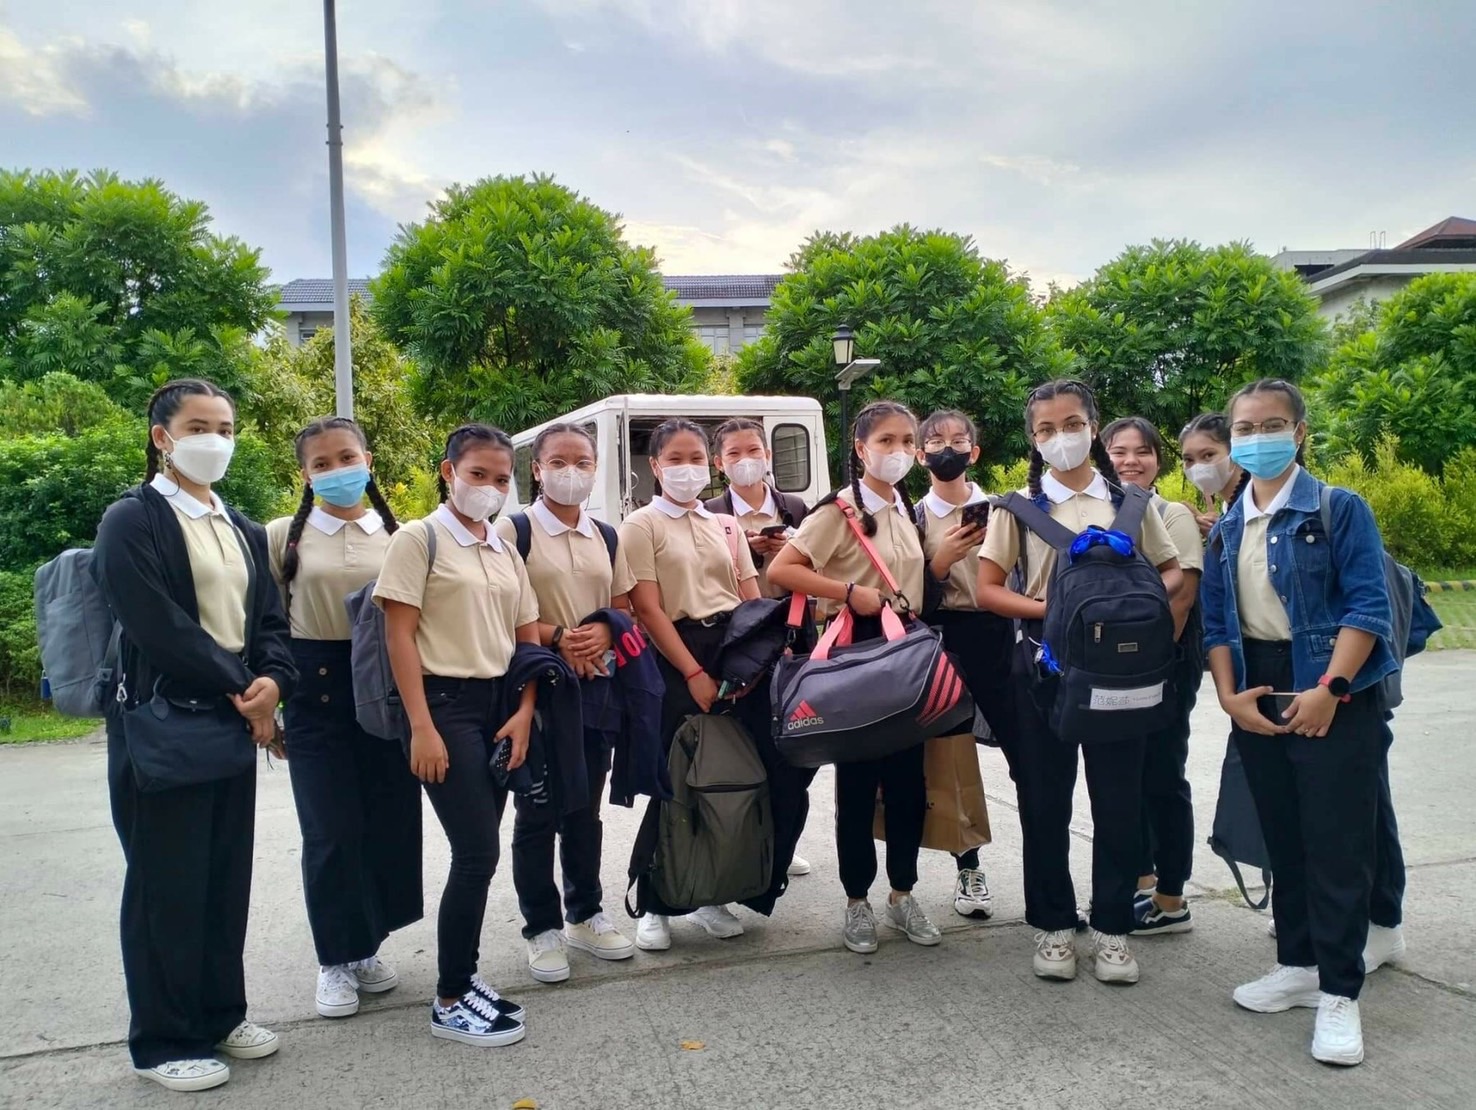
{"x":479,"y":1006}
{"x":600,"y":925}
{"x":485,"y":989}
{"x":858,"y":913}
{"x":912,"y":914}
{"x":974,"y":885}
{"x":177,"y":1069}
{"x":340,"y":976}
{"x":1111,"y":945}
{"x":1336,"y":1005}
{"x":550,"y":941}
{"x":1057,"y":942}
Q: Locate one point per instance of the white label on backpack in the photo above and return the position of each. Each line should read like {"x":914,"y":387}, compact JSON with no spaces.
{"x":1143,"y":697}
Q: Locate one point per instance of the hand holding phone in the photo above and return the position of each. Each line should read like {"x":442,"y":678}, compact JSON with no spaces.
{"x":976,"y":515}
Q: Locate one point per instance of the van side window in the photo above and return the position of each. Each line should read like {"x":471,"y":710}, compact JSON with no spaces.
{"x":791,"y":447}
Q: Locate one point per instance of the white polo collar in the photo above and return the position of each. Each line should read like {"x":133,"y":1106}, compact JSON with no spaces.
{"x":743,"y":508}
{"x":459,"y":531}
{"x":940,"y":508}
{"x":873,"y":502}
{"x":187,"y":503}
{"x":676,"y":512}
{"x":1059,"y":494}
{"x":1283,"y":495}
{"x":331,"y":525}
{"x":553,"y":526}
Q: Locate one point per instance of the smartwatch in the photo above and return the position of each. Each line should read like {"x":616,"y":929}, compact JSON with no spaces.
{"x":1339,"y":688}
{"x":558,"y":634}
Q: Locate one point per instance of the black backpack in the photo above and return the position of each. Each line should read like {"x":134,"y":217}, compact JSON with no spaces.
{"x":1107,"y":642}
{"x":523,"y":531}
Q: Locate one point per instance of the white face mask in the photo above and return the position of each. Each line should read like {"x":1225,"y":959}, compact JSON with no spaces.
{"x":682,"y":484}
{"x":747,"y":472}
{"x":890,"y":467}
{"x":567,"y":485}
{"x":1210,"y":477}
{"x":202,"y":458}
{"x":475,"y":502}
{"x":1067,"y":450}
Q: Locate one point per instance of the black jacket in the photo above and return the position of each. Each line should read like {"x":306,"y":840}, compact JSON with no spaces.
{"x":627,"y":707}
{"x":557,"y":738}
{"x":792,"y":510}
{"x":143,"y":568}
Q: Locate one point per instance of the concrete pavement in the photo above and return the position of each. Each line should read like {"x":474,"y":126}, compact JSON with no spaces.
{"x":786,"y":1017}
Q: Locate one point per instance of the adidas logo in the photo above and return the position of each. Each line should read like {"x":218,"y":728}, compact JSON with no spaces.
{"x":803,"y":717}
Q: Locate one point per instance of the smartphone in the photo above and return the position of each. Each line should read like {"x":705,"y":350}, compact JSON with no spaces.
{"x":976,"y":515}
{"x":1282,"y":703}
{"x":774,"y":531}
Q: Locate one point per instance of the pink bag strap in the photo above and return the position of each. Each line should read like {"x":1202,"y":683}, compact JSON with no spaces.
{"x":843,"y":628}
{"x":871,"y":552}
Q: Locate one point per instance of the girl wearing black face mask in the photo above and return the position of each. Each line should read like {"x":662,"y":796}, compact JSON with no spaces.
{"x":980,"y":641}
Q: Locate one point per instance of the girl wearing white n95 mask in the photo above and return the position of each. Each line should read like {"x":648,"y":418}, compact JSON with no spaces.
{"x":768,"y":516}
{"x":1205,"y":442}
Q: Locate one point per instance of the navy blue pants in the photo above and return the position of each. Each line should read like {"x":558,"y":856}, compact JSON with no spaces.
{"x":1168,"y":803}
{"x":359,"y":809}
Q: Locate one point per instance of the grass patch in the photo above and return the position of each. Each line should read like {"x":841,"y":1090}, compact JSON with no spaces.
{"x":29,"y":723}
{"x":1457,"y":609}
{"x":1449,"y":574}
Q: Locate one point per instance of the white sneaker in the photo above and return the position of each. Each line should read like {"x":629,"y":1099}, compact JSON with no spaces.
{"x":653,"y":933}
{"x":547,"y":960}
{"x":1338,"y":1038}
{"x":1271,"y":928}
{"x":187,"y":1075}
{"x":374,"y":975}
{"x":1055,"y":954}
{"x":798,"y":865}
{"x":599,"y":937}
{"x":249,"y":1041}
{"x":1384,"y":946}
{"x":908,"y":917}
{"x":338,"y":992}
{"x":1284,"y":988}
{"x":971,"y":894}
{"x":1115,"y":962}
{"x":719,"y":921}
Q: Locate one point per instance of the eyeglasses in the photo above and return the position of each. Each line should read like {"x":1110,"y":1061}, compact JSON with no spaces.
{"x":1269,"y":427}
{"x":1070,"y":428}
{"x":958,"y":443}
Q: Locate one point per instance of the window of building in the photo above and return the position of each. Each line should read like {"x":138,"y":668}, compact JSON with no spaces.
{"x":791,"y":447}
{"x":752,"y":333}
{"x":714,"y":338}
{"x":305,"y":333}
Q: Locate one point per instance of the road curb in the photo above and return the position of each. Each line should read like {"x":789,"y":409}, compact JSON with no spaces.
{"x":1456,"y":586}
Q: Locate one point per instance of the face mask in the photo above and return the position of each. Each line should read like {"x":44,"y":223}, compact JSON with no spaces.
{"x":948,"y":464}
{"x":475,"y":502}
{"x":567,"y":486}
{"x":747,"y":472}
{"x":890,"y":467}
{"x":203,"y":458}
{"x":1067,"y":450}
{"x":1210,"y":478}
{"x":1265,"y":456}
{"x":682,"y":484}
{"x":343,"y":487}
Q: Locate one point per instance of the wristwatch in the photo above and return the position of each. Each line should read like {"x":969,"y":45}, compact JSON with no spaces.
{"x":1339,"y":688}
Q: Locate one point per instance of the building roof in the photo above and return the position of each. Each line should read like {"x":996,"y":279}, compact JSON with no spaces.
{"x":317,"y":291}
{"x":1424,"y":260}
{"x":698,"y":290}
{"x":1451,"y":232}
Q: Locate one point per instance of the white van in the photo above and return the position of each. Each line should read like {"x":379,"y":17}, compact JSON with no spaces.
{"x":622,"y":429}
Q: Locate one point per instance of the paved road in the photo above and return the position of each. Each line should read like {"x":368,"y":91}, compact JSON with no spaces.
{"x":786,"y":1016}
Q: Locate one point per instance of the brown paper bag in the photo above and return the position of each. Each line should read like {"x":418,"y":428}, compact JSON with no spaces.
{"x":957,"y":816}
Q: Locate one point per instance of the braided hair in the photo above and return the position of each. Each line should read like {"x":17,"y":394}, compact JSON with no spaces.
{"x":461,"y":440}
{"x":165,"y":402}
{"x":291,"y":561}
{"x":866,"y":420}
{"x":561,"y":428}
{"x":1069,"y":387}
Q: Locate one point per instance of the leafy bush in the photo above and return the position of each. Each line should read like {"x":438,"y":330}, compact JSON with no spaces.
{"x":20,"y":657}
{"x":56,"y":403}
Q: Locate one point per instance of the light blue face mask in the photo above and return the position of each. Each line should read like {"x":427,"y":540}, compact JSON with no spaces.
{"x":1265,"y":456}
{"x":343,"y":487}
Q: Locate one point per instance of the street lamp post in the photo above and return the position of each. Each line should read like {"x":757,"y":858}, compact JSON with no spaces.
{"x":343,"y":359}
{"x":849,"y":369}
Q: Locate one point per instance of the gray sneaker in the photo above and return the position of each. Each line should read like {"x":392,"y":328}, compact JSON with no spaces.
{"x":907,"y":915}
{"x":860,"y":933}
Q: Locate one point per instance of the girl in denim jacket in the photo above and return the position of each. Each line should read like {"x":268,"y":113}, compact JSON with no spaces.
{"x":1297,"y":627}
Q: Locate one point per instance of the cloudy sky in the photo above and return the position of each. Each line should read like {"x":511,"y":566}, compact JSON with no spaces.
{"x":725,"y":131}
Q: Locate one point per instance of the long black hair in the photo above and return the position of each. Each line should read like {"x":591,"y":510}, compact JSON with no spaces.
{"x":540,"y":441}
{"x":1100,"y":459}
{"x":462,"y":440}
{"x":290,"y":560}
{"x":1294,"y":400}
{"x":668,"y":430}
{"x":165,"y":402}
{"x":866,"y":420}
{"x":1216,"y":425}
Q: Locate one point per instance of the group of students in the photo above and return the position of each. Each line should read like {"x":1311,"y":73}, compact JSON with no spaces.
{"x":475,"y":608}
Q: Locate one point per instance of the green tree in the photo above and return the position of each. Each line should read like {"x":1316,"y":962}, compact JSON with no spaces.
{"x":55,"y":403}
{"x":952,"y":330}
{"x":1169,"y":330}
{"x":121,"y":283}
{"x":519,"y":299}
{"x":1412,"y":375}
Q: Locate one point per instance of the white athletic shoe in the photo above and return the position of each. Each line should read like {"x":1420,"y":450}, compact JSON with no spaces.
{"x":719,"y":921}
{"x":1384,"y":947}
{"x":1115,"y":962}
{"x":971,"y":895}
{"x":374,"y":975}
{"x":600,"y":938}
{"x":798,"y":865}
{"x":249,"y":1041}
{"x":187,"y":1075}
{"x":1338,"y":1038}
{"x":1283,"y":988}
{"x":653,"y":933}
{"x":338,"y":992}
{"x":1055,"y":954}
{"x":547,"y":960}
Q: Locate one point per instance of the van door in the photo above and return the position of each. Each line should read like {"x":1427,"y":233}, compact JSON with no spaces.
{"x":797,"y":465}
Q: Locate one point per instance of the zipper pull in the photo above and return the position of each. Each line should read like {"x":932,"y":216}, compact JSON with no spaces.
{"x":1097,"y":632}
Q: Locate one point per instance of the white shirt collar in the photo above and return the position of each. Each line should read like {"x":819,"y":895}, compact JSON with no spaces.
{"x":1283,"y":495}
{"x":460,"y":533}
{"x":1051,"y":486}
{"x":873,"y":502}
{"x":940,"y":508}
{"x":743,"y":508}
{"x":185,"y":502}
{"x":331,"y":525}
{"x":676,"y":512}
{"x":553,"y":526}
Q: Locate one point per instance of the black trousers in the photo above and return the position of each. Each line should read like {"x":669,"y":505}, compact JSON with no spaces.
{"x":1386,"y":906}
{"x":789,"y":786}
{"x":581,"y":837}
{"x":1044,"y":769}
{"x":469,"y":807}
{"x":1168,"y":802}
{"x":1317,"y":800}
{"x":186,"y":892}
{"x":359,"y":809}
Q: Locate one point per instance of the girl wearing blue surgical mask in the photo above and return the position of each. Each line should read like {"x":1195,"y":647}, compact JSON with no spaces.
{"x":357,"y":803}
{"x":1298,"y":626}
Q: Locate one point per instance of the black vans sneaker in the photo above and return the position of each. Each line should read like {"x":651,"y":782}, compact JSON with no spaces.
{"x":1153,"y":919}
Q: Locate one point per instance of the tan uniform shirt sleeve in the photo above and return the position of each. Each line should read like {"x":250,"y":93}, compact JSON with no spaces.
{"x":527,"y":599}
{"x":1158,"y":545}
{"x":819,"y":535}
{"x":622,"y":578}
{"x":402,"y":578}
{"x":276,"y":531}
{"x":1001,"y":544}
{"x":506,"y":532}
{"x":639,"y":545}
{"x":1184,"y":531}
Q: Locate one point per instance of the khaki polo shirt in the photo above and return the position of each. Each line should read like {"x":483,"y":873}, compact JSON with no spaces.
{"x":471,"y":603}
{"x":756,"y":520}
{"x":1077,"y":511}
{"x":335,"y":557}
{"x":686,"y":553}
{"x":1262,"y":612}
{"x":827,"y":541}
{"x":217,"y":564}
{"x":963,"y":577}
{"x":569,"y":568}
{"x":1183,"y":529}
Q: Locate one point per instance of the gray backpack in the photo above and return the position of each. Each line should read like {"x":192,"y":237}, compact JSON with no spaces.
{"x":377,"y":703}
{"x":76,"y":633}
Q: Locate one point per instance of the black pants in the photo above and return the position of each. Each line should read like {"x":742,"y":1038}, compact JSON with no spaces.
{"x":186,"y":892}
{"x":469,"y":806}
{"x":359,"y":809}
{"x":580,"y":835}
{"x":1044,"y":769}
{"x":1168,"y":802}
{"x":1317,"y":800}
{"x":789,"y":786}
{"x":1386,"y":906}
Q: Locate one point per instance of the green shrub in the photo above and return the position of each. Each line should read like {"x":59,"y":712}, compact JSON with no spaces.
{"x":20,"y":657}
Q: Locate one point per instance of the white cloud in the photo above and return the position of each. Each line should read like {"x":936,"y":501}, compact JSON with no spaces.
{"x":35,"y":80}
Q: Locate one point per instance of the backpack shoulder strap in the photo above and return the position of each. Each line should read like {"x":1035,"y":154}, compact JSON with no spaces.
{"x":920,"y":517}
{"x":1129,"y":519}
{"x":611,"y":537}
{"x":1033,"y":517}
{"x":430,"y":545}
{"x":792,"y":508}
{"x":523,"y":532}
